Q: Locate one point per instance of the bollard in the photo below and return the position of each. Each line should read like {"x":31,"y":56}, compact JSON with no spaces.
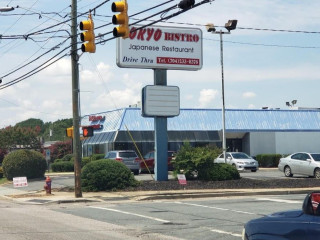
{"x":47,"y":186}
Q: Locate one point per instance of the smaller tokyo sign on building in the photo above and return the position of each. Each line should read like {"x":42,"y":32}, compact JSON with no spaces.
{"x":159,"y":47}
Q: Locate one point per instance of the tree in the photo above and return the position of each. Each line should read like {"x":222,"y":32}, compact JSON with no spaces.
{"x":20,"y":137}
{"x":60,"y":149}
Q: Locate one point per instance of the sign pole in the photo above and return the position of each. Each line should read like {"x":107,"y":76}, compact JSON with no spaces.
{"x":160,"y":134}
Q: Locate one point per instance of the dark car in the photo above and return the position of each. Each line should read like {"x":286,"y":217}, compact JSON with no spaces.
{"x":149,"y":161}
{"x":128,"y":157}
{"x":290,"y":225}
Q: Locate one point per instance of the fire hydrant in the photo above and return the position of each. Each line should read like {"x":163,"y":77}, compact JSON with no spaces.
{"x":47,"y":186}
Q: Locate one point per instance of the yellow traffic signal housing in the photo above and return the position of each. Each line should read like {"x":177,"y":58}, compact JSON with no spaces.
{"x":87,"y":131}
{"x":69,"y":132}
{"x":88,"y":36}
{"x":122,"y":19}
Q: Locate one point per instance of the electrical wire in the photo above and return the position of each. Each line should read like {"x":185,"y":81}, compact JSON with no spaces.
{"x":40,"y":32}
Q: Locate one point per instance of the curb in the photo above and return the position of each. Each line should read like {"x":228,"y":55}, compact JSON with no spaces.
{"x":156,"y":196}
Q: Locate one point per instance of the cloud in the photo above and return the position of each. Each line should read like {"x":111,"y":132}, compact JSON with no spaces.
{"x":248,"y":95}
{"x":101,"y":75}
{"x":206,"y":98}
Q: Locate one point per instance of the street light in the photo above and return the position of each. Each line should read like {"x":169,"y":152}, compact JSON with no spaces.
{"x":293,"y":102}
{"x":230,"y":25}
{"x":6,"y":9}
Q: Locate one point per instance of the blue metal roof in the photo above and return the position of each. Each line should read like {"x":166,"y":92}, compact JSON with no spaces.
{"x":211,"y":120}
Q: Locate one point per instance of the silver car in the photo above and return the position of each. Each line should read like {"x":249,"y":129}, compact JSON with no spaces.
{"x":301,"y":163}
{"x":239,"y":160}
{"x":128,"y":157}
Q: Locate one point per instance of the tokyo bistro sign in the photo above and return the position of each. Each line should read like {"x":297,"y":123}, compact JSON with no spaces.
{"x":161,"y":47}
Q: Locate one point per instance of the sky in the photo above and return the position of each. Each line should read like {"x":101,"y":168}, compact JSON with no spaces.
{"x":262,"y":67}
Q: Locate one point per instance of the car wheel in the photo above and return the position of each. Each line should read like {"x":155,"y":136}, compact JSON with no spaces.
{"x":287,"y":171}
{"x":233,"y":165}
{"x":136,"y":172}
{"x":317,"y":173}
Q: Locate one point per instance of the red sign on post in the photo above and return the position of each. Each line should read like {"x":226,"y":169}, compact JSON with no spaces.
{"x":182,"y":179}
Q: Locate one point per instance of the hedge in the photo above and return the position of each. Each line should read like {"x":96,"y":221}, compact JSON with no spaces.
{"x":268,"y":160}
{"x":62,"y":166}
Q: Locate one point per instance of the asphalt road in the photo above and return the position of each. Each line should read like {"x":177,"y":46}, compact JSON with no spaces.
{"x":210,"y":218}
{"x":215,"y":218}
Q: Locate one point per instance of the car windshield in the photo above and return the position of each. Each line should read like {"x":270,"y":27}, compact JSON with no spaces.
{"x":316,"y":156}
{"x":170,"y":154}
{"x":240,"y":156}
{"x":127,"y":154}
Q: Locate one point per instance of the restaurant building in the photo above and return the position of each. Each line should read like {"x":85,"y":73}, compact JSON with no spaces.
{"x":251,"y":131}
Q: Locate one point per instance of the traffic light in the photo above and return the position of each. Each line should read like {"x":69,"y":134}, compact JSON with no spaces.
{"x":88,"y":36}
{"x":87,"y":131}
{"x":69,"y":132}
{"x":186,"y":4}
{"x":122,"y":19}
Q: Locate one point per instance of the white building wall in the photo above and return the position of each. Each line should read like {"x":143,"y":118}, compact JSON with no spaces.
{"x":262,"y":142}
{"x":283,"y":142}
{"x":290,"y":142}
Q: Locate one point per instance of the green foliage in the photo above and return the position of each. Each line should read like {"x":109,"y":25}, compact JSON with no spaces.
{"x":1,"y":172}
{"x":106,"y":174}
{"x":97,"y":156}
{"x":220,"y":172}
{"x":20,"y":163}
{"x":62,"y":166}
{"x":268,"y":160}
{"x":67,"y":158}
{"x":27,"y":137}
{"x":58,"y":129}
{"x":194,"y":162}
{"x":85,"y":161}
{"x":31,"y":123}
{"x":93,"y":157}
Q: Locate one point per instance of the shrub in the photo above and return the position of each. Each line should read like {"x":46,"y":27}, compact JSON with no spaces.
{"x":62,"y":166}
{"x":67,"y":158}
{"x":194,"y":162}
{"x":85,"y":161}
{"x":97,"y":156}
{"x":220,"y":172}
{"x":58,"y":160}
{"x":268,"y":160}
{"x":29,"y":163}
{"x":106,"y":174}
{"x":1,"y":172}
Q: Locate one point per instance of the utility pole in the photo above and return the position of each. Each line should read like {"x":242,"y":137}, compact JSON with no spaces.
{"x":75,"y":101}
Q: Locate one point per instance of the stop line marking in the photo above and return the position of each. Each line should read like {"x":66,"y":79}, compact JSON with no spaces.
{"x":217,"y":208}
{"x":133,"y":214}
{"x":227,"y":233}
{"x":278,"y":200}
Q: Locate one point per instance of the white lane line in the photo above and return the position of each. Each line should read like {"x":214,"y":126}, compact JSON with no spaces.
{"x":133,"y":214}
{"x":227,"y":233}
{"x":217,"y":208}
{"x":278,"y":200}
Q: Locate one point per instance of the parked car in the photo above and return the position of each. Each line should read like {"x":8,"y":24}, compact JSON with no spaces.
{"x":290,"y":225}
{"x":149,"y":161}
{"x":239,"y":160}
{"x":301,"y":163}
{"x":128,"y":157}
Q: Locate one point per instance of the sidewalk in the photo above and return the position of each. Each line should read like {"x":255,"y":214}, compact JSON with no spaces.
{"x":69,"y":197}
